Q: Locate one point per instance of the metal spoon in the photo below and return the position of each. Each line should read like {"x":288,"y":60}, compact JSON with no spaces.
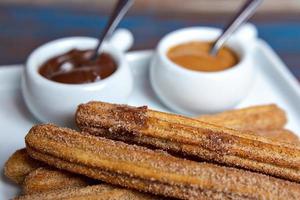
{"x":246,"y":11}
{"x":118,"y":13}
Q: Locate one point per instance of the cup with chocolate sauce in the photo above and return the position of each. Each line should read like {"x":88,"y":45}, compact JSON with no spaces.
{"x":60,"y":75}
{"x":190,"y":81}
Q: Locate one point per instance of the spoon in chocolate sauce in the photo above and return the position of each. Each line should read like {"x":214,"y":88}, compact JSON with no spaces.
{"x":246,"y":11}
{"x":118,"y":13}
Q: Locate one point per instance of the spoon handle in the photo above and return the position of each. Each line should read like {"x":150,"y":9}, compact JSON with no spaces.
{"x":246,"y":11}
{"x":118,"y":13}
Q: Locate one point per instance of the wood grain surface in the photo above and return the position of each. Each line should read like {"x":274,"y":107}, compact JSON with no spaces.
{"x":178,"y":6}
{"x":24,"y":27}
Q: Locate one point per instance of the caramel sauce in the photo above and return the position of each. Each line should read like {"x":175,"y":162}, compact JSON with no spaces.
{"x":76,"y":67}
{"x":195,"y":56}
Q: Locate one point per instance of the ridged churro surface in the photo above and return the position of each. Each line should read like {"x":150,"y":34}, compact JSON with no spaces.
{"x":190,"y":137}
{"x":19,"y":165}
{"x":281,"y":135}
{"x":47,"y":179}
{"x":150,"y":171}
{"x":37,"y":180}
{"x":96,"y":192}
{"x":265,"y":120}
{"x":264,"y":117}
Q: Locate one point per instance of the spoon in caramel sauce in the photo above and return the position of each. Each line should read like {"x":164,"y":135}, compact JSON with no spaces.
{"x":246,"y":11}
{"x":118,"y":13}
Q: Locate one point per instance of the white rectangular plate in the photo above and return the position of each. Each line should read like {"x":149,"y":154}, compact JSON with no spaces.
{"x":273,"y":84}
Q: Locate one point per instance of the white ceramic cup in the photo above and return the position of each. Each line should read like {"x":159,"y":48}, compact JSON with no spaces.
{"x":193,"y":92}
{"x":55,"y":102}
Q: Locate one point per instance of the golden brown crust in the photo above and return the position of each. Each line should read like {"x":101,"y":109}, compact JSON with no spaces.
{"x":23,"y":169}
{"x":264,"y":117}
{"x":281,"y":135}
{"x":97,"y":192}
{"x":150,"y":171}
{"x":265,"y":120}
{"x":19,"y":165}
{"x":46,"y":179}
{"x":191,"y":137}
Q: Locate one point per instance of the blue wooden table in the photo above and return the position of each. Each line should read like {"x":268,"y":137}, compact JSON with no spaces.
{"x":23,"y":28}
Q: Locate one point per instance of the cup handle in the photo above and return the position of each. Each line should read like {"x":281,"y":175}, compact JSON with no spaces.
{"x":247,"y":33}
{"x":121,"y":39}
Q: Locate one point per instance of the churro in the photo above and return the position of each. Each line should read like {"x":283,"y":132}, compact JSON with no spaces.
{"x":96,"y":192}
{"x":189,"y":137}
{"x":19,"y":165}
{"x":46,"y":179}
{"x":147,"y":170}
{"x":265,"y":120}
{"x":281,"y":135}
{"x":37,"y":177}
{"x":39,"y":180}
{"x":264,"y":117}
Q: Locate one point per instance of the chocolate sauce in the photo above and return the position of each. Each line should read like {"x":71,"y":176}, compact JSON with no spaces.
{"x":76,"y":67}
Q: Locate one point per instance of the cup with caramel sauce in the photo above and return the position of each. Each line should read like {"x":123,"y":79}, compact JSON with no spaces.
{"x":60,"y":75}
{"x":190,"y":81}
{"x":195,"y":56}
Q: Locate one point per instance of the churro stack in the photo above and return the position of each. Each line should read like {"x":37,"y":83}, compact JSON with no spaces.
{"x":124,"y":152}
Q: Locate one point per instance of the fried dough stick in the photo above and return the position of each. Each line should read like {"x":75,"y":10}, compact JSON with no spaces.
{"x":46,"y":179}
{"x":96,"y":192}
{"x":265,"y":120}
{"x":189,"y":137}
{"x":19,"y":165}
{"x":38,"y":182}
{"x":35,"y":176}
{"x":151,"y":171}
{"x":264,"y":117}
{"x":281,"y":135}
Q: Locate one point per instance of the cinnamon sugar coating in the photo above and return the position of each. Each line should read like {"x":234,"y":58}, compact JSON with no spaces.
{"x":151,"y":171}
{"x":47,"y":179}
{"x":96,"y":192}
{"x":264,"y":120}
{"x":263,"y":117}
{"x":19,"y":165}
{"x":189,"y":137}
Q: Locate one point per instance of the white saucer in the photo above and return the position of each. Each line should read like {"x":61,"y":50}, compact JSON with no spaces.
{"x":274,"y":84}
